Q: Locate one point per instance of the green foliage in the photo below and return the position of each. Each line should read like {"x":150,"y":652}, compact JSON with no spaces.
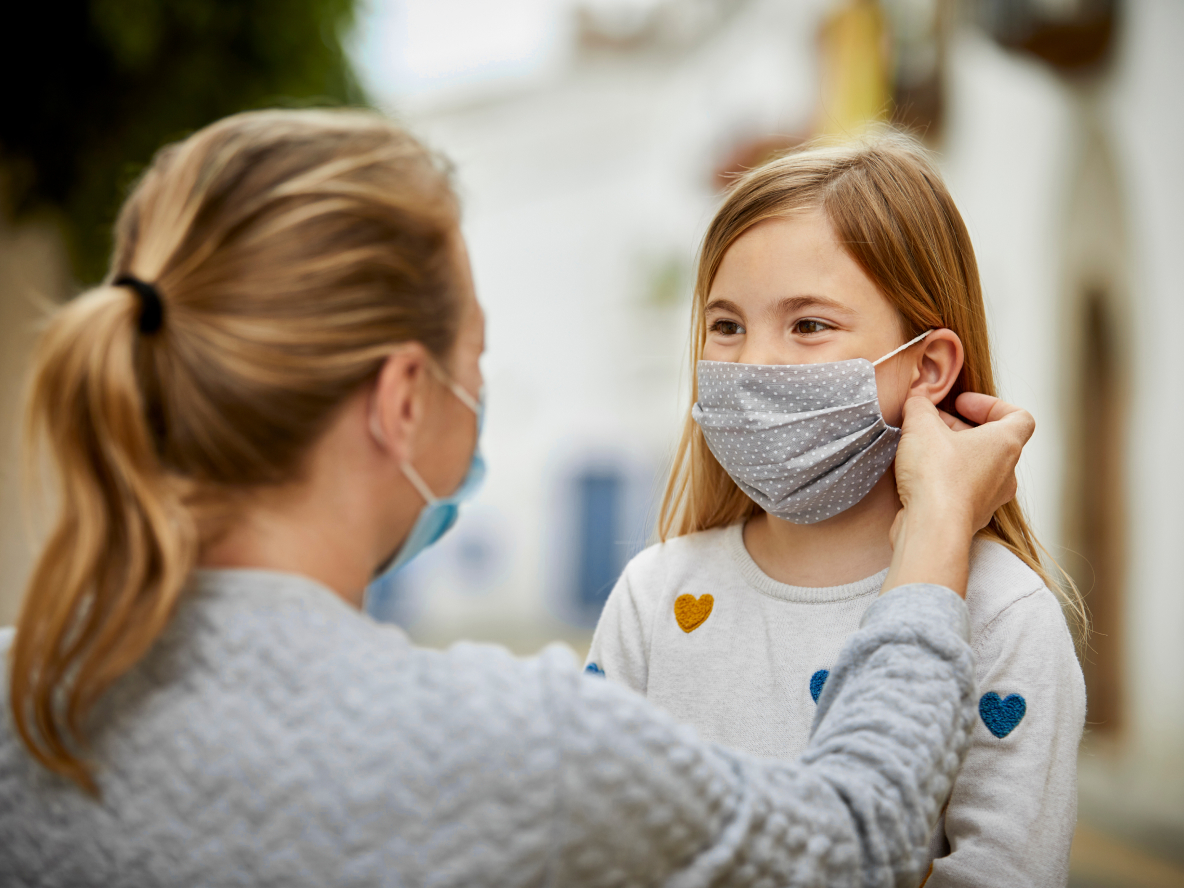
{"x":102,"y":84}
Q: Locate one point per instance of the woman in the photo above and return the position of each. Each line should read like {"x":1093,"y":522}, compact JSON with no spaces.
{"x":262,"y":408}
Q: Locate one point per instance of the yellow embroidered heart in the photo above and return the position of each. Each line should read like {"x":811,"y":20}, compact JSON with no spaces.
{"x":691,"y":612}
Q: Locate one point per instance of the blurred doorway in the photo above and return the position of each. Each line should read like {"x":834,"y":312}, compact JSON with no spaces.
{"x":1096,"y":359}
{"x":1096,"y":521}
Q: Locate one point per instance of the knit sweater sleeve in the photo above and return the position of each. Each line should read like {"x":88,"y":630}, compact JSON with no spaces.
{"x":643,"y":801}
{"x":1013,"y":807}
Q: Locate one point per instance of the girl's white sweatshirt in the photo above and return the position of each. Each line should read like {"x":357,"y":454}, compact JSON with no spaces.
{"x":698,"y":628}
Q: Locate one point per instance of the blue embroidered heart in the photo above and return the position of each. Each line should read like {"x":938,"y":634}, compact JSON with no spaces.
{"x":594,"y":669}
{"x":1001,"y":715}
{"x":816,"y":682}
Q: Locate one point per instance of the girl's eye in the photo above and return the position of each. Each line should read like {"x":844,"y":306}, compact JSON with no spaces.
{"x":808,"y":326}
{"x":726,"y":328}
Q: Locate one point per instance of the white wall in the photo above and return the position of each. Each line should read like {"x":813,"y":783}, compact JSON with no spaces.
{"x":1012,"y":152}
{"x":1148,"y":772}
{"x":1004,"y":161}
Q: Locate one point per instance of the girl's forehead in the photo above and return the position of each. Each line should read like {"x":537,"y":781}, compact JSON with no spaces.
{"x":793,"y":259}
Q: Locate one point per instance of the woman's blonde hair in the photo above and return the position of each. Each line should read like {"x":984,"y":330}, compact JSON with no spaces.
{"x":892,"y":213}
{"x":291,"y":251}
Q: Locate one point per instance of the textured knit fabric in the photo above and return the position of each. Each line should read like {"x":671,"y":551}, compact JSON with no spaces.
{"x":745,"y":676}
{"x":276,"y":736}
{"x":804,"y":441}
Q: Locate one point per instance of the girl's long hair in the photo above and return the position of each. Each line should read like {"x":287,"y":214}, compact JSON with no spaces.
{"x":291,"y":251}
{"x":892,"y":213}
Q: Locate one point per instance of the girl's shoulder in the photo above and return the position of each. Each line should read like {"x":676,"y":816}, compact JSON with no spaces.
{"x":1001,"y":587}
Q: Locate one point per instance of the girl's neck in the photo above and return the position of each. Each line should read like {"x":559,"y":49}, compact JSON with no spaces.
{"x":843,"y":549}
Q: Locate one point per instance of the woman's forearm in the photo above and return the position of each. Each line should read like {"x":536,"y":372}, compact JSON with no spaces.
{"x":931,"y":547}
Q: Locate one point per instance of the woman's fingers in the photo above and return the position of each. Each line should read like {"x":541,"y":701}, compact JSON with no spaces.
{"x":975,"y":406}
{"x":953,"y":422}
{"x":979,"y":409}
{"x":920,"y":410}
{"x":1003,"y":428}
{"x":1016,"y":419}
{"x":968,"y":468}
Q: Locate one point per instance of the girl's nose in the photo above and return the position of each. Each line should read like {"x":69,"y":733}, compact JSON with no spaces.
{"x":764,"y":350}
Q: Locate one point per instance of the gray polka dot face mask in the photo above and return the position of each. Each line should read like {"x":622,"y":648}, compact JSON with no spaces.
{"x":805,"y":441}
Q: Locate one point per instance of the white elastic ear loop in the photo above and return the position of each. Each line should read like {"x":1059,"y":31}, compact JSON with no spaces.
{"x":465,"y":398}
{"x":414,"y":477}
{"x":418,"y":483}
{"x":900,"y":349}
{"x":457,"y":389}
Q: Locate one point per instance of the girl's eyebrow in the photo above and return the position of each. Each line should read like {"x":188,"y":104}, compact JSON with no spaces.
{"x":723,"y":305}
{"x":793,"y":304}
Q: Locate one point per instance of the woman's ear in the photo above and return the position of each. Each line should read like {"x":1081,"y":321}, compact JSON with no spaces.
{"x":938,"y":363}
{"x":397,"y":402}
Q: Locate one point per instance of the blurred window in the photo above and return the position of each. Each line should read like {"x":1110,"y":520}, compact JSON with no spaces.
{"x":599,"y":502}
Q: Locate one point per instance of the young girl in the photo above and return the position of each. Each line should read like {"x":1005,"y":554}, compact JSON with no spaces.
{"x":833,"y":285}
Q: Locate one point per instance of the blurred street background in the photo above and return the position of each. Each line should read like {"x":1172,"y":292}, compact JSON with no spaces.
{"x":591,"y":140}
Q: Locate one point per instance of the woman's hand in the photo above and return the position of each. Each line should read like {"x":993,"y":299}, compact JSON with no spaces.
{"x":951,"y":477}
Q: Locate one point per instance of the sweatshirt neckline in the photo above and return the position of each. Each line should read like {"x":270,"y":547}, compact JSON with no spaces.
{"x":814,"y":595}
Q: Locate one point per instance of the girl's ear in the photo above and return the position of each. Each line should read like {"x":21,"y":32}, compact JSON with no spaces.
{"x":938,"y":363}
{"x":397,"y":402}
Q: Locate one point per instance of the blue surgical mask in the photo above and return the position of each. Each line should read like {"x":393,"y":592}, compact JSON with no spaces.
{"x":438,"y":514}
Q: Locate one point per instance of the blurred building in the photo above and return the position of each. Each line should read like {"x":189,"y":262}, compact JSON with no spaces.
{"x":590,"y":164}
{"x":591,"y":139}
{"x":1061,"y":158}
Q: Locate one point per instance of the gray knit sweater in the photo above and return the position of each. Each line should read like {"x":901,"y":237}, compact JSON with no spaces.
{"x":276,"y":736}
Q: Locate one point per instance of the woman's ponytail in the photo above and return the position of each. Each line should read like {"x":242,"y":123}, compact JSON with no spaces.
{"x":123,"y":544}
{"x":279,"y":257}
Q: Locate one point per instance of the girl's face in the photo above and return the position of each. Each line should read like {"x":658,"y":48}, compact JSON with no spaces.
{"x":788,"y":293}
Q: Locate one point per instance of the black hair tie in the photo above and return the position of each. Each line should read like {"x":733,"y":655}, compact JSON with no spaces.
{"x":151,"y":308}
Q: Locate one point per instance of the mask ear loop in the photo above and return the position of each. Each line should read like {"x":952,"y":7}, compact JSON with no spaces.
{"x":407,"y":469}
{"x":405,"y":466}
{"x":458,"y":390}
{"x":418,"y":483}
{"x":900,"y":349}
{"x":468,"y":401}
